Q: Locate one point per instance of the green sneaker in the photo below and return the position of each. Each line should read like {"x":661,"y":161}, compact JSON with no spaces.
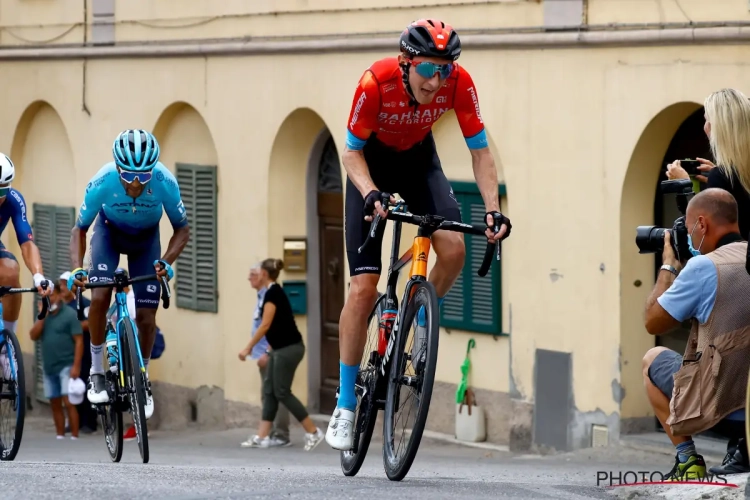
{"x":692,"y":470}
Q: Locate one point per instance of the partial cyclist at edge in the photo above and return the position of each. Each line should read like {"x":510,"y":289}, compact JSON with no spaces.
{"x":13,"y":208}
{"x":390,"y":149}
{"x":127,"y":198}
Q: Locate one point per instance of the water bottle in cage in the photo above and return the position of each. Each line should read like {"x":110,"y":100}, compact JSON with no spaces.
{"x":386,"y":325}
{"x":112,"y":350}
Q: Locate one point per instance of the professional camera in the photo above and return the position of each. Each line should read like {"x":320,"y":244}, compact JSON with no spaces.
{"x":650,"y":239}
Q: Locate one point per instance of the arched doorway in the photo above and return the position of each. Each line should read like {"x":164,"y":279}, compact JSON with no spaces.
{"x":689,"y":141}
{"x":330,"y":210}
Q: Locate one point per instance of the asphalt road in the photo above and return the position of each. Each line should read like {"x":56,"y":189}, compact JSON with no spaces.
{"x":198,"y":465}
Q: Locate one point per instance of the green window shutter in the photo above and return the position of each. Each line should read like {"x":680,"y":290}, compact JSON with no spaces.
{"x":474,"y":303}
{"x":196,"y":270}
{"x":51,"y":227}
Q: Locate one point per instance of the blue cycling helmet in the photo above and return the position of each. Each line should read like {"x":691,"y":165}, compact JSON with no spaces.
{"x":136,"y":150}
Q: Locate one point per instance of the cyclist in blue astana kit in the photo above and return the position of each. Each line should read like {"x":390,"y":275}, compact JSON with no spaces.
{"x":126,"y":198}
{"x":13,"y":207}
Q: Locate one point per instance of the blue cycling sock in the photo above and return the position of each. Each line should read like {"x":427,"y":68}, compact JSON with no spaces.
{"x":347,"y":397}
{"x":421,"y":320}
{"x":686,"y":450}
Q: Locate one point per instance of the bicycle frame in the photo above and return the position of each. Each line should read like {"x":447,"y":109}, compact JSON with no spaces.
{"x":418,"y":255}
{"x":121,"y":305}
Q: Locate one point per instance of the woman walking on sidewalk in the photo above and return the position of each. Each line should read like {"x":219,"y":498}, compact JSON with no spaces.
{"x":286,"y":350}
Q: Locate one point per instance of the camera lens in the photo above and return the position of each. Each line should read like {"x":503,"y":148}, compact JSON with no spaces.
{"x":649,"y":239}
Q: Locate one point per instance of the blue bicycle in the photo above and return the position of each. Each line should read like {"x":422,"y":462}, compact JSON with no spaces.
{"x":126,"y":378}
{"x":12,"y":381}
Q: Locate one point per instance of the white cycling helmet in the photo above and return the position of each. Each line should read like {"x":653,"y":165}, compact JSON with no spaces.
{"x":7,"y":170}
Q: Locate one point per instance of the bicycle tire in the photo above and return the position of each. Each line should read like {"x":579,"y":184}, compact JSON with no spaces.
{"x":112,"y":419}
{"x":367,"y":412}
{"x":8,"y":454}
{"x":137,"y":390}
{"x":424,"y":294}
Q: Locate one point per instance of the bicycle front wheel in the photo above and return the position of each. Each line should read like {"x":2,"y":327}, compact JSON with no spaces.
{"x":12,"y":395}
{"x":366,"y":389}
{"x":135,"y":383}
{"x":410,"y":381}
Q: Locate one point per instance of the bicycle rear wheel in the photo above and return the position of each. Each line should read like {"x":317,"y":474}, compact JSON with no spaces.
{"x":367,"y":383}
{"x":12,"y":396}
{"x":411,"y":376}
{"x":135,"y":382}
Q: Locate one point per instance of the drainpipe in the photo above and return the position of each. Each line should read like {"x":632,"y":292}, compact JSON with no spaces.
{"x":496,"y":41}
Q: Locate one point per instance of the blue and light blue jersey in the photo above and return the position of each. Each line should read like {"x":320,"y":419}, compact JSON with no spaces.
{"x":14,"y":208}
{"x":106,"y":194}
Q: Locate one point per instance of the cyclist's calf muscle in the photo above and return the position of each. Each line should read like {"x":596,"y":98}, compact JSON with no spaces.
{"x":100,"y":301}
{"x":363,"y":293}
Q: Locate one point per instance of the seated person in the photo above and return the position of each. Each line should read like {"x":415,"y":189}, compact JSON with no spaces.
{"x":720,"y":331}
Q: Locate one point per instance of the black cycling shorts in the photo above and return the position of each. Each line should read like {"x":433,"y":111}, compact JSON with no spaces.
{"x":416,"y":175}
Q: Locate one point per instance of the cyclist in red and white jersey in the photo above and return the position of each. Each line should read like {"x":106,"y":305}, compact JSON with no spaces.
{"x":390,"y":149}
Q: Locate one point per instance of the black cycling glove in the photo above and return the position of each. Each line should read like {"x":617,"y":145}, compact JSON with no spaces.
{"x":499,"y":219}
{"x":374,"y":196}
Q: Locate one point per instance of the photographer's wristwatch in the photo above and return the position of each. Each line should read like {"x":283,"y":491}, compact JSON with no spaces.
{"x":667,"y":267}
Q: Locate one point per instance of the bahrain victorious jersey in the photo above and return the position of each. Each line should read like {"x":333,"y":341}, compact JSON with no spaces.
{"x":381,"y":107}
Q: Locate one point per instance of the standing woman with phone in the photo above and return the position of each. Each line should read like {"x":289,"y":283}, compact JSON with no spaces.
{"x":727,"y":114}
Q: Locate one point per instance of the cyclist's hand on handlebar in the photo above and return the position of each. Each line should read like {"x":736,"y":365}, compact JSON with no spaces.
{"x":77,"y":278}
{"x":163,"y":269}
{"x":374,"y":204}
{"x":495,"y":218}
{"x":43,"y":286}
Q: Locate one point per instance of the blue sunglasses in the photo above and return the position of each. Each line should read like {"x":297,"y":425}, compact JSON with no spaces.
{"x":428,"y":69}
{"x":129,"y":177}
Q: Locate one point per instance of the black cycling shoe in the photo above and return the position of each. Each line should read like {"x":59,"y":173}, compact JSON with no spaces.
{"x":735,"y":461}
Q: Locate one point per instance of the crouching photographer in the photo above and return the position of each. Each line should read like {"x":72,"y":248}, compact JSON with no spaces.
{"x":706,"y":386}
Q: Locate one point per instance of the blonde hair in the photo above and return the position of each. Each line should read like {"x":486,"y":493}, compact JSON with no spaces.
{"x":272,"y":267}
{"x":728,"y":112}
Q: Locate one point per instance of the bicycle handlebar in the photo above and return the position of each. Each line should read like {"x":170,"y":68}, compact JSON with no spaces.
{"x":438,"y":223}
{"x":7,"y":290}
{"x":120,"y":283}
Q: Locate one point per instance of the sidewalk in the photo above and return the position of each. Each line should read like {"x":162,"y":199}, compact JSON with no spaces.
{"x":713,"y":450}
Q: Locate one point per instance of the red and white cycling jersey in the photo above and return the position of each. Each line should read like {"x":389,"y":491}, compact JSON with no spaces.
{"x":381,"y":106}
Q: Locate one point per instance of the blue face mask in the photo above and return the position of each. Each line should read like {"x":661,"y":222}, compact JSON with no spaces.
{"x":690,"y":242}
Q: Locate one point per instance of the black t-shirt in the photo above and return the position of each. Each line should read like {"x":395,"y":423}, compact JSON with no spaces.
{"x":717,"y":179}
{"x":283,"y":331}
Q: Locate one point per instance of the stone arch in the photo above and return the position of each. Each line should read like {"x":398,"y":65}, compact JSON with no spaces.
{"x":41,"y":151}
{"x":636,"y":270}
{"x":185,"y":138}
{"x":46,"y":174}
{"x":183,"y":135}
{"x":303,"y":180}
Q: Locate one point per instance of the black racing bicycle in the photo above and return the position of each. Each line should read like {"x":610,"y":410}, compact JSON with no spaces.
{"x":125,"y":379}
{"x":13,"y":381}
{"x":393,"y":373}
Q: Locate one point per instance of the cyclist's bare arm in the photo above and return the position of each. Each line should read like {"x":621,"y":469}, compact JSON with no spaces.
{"x":31,"y":257}
{"x":485,"y":173}
{"x":176,"y":244}
{"x":77,"y":247}
{"x":357,"y":170}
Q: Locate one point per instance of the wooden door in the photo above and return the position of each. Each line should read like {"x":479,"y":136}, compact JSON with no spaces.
{"x":332,"y":272}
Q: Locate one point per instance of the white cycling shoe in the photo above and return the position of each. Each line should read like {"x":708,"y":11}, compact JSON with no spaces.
{"x":97,"y":389}
{"x":148,"y":408}
{"x":340,"y":432}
